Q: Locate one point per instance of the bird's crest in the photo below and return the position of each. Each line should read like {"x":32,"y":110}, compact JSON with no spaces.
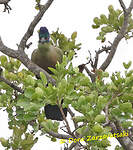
{"x":43,"y":35}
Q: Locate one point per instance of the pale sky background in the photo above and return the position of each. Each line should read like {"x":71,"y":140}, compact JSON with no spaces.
{"x":69,"y":16}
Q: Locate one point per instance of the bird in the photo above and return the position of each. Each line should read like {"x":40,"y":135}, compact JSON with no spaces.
{"x":45,"y":56}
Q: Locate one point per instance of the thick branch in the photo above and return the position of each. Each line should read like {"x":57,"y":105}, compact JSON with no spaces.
{"x":4,"y":1}
{"x":8,"y":51}
{"x":118,"y":37}
{"x":59,"y":136}
{"x":92,"y":76}
{"x":125,"y":141}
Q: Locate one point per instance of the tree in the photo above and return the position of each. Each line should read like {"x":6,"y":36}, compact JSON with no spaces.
{"x":105,"y":107}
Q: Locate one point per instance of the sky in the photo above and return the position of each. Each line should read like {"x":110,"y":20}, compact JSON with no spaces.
{"x":68,"y":16}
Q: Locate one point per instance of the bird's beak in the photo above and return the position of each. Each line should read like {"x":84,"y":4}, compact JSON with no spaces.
{"x":42,"y":40}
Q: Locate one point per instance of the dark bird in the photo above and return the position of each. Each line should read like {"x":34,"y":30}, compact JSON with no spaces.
{"x":46,"y":56}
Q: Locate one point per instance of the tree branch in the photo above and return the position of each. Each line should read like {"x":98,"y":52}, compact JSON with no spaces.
{"x":119,"y":36}
{"x":5,"y":3}
{"x":122,"y":5}
{"x":72,"y":115}
{"x":94,"y":62}
{"x":92,"y":76}
{"x":12,"y":85}
{"x":72,"y":146}
{"x":59,"y":136}
{"x":63,"y":115}
{"x":33,"y":24}
{"x":77,"y":143}
{"x":125,"y":141}
{"x":104,"y":49}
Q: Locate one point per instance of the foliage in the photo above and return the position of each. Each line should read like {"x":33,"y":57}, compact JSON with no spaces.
{"x":64,"y":43}
{"x":112,"y":23}
{"x":76,"y":89}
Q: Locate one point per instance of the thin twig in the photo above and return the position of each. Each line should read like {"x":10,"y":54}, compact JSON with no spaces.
{"x":59,"y":136}
{"x":63,"y":115}
{"x":122,"y":5}
{"x":28,"y":45}
{"x":77,"y":143}
{"x":72,"y":115}
{"x":104,"y":49}
{"x":84,"y":124}
{"x":5,"y":3}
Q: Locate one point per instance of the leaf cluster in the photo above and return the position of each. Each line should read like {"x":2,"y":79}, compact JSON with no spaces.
{"x":112,"y":23}
{"x":64,"y":43}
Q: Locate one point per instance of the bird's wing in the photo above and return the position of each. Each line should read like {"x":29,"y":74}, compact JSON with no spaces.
{"x":34,"y":55}
{"x":57,"y":52}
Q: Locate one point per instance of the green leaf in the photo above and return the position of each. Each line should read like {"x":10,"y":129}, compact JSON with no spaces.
{"x":29,"y":92}
{"x":96,"y":21}
{"x":43,"y":78}
{"x":116,"y":112}
{"x":79,"y":119}
{"x":95,"y":26}
{"x":128,"y":65}
{"x":39,"y":92}
{"x":4,"y":142}
{"x":126,"y":107}
{"x":74,"y":35}
{"x":3,"y":60}
{"x":82,"y":100}
{"x":121,"y":20}
{"x":126,"y":124}
{"x":35,"y":106}
{"x":100,"y":118}
{"x":107,"y":29}
{"x":45,"y":126}
{"x":30,"y":81}
{"x":104,"y":19}
{"x":38,"y":1}
{"x":53,"y":139}
{"x":23,"y":103}
{"x":29,"y":117}
{"x":111,"y":8}
{"x":53,"y":70}
{"x":98,"y":128}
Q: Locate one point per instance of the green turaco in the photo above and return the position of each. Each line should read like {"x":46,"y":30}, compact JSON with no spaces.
{"x":47,"y":56}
